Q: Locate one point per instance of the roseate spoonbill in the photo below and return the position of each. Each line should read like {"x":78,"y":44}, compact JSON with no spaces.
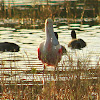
{"x":50,"y":51}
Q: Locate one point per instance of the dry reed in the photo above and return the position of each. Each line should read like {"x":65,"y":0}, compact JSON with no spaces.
{"x":77,"y":81}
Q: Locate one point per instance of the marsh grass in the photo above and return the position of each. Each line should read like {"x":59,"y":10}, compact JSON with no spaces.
{"x":78,"y":80}
{"x":35,"y":15}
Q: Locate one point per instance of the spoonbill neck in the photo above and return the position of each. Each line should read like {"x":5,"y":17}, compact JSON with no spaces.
{"x":50,"y":36}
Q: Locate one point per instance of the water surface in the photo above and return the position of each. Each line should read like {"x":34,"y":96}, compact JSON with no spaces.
{"x":15,"y":65}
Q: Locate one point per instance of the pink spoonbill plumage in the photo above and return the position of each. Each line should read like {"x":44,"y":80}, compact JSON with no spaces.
{"x":50,"y":51}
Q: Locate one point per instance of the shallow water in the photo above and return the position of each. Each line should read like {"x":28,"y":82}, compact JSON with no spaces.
{"x":18,"y":63}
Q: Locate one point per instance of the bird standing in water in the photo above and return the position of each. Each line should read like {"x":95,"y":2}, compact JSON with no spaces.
{"x":50,"y":51}
{"x":76,"y":43}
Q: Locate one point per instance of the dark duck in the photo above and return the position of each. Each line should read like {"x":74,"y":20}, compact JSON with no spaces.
{"x":76,"y":43}
{"x":63,"y":48}
{"x":9,"y":47}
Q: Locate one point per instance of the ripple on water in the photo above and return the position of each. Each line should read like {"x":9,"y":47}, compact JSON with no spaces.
{"x":29,"y":40}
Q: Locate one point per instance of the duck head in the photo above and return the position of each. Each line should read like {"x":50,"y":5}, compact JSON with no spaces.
{"x":73,"y":34}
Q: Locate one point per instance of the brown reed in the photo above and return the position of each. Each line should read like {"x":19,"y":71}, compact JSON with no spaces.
{"x":77,"y":81}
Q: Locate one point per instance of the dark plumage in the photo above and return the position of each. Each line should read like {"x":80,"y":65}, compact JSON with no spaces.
{"x":76,"y":43}
{"x":7,"y":46}
{"x":56,"y":35}
{"x":63,"y":48}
